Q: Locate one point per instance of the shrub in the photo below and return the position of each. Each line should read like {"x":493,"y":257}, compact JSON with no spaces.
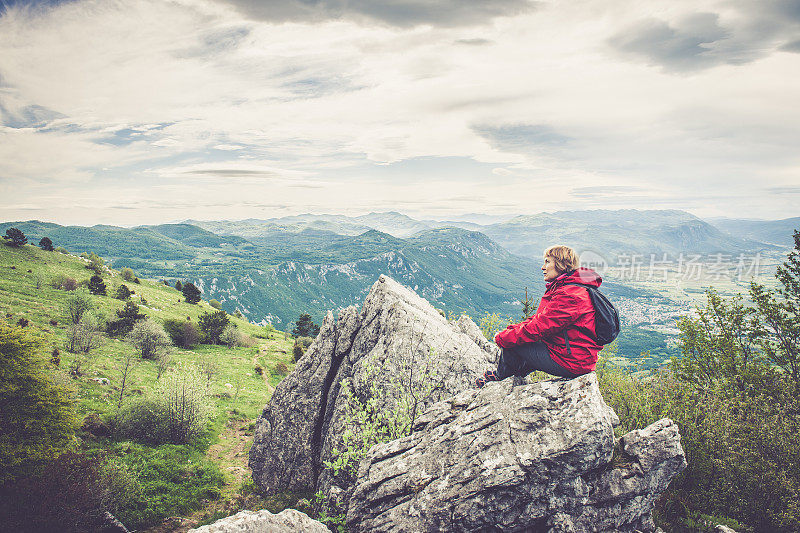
{"x":96,"y":285}
{"x":231,"y":336}
{"x":305,"y":341}
{"x":96,"y":263}
{"x":127,"y":274}
{"x":15,"y":237}
{"x":178,"y":285}
{"x":46,"y":244}
{"x":259,"y":370}
{"x":83,"y":337}
{"x":183,"y":333}
{"x":37,"y":416}
{"x":215,"y":304}
{"x":126,"y":318}
{"x":281,"y":369}
{"x":297,"y":352}
{"x":384,"y":411}
{"x":61,"y":250}
{"x":176,"y":411}
{"x":122,"y":292}
{"x":149,"y":338}
{"x":190,"y":293}
{"x":77,"y":304}
{"x":55,"y":357}
{"x":23,"y":322}
{"x":72,"y":494}
{"x":64,"y":282}
{"x":212,"y":324}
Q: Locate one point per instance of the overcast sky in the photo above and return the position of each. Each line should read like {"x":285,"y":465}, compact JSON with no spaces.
{"x":147,"y":111}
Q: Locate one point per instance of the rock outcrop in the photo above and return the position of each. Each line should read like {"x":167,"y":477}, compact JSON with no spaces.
{"x":512,"y":456}
{"x":535,"y":457}
{"x":396,"y":331}
{"x":288,"y":521}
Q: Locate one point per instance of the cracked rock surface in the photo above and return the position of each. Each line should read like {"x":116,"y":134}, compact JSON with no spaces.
{"x":303,"y":421}
{"x":533,"y":457}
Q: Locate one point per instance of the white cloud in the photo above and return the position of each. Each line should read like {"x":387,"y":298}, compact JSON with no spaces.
{"x":152,"y":92}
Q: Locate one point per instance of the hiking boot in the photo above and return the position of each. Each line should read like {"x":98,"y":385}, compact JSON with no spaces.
{"x":488,"y":376}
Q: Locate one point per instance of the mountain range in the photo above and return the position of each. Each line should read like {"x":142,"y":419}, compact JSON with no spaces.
{"x":275,"y":269}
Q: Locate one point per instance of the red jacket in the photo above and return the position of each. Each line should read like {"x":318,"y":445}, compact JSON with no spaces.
{"x":565,"y":312}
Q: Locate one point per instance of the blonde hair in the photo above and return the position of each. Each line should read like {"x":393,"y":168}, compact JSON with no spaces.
{"x":564,"y":258}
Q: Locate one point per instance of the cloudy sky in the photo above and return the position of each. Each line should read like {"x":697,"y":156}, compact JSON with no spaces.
{"x":146,"y":111}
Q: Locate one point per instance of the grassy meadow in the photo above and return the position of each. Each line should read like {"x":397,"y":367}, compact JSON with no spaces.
{"x":205,"y":478}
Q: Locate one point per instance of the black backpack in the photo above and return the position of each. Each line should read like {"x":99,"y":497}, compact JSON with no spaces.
{"x":606,"y":317}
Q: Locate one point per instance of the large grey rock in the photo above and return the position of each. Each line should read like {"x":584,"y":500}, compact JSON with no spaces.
{"x":533,"y":457}
{"x":287,"y":521}
{"x":395,"y":330}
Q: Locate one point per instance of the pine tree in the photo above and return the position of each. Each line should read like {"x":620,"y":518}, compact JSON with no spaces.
{"x":191,"y":293}
{"x":15,"y":237}
{"x":96,"y":285}
{"x":46,"y":244}
{"x":305,"y":327}
{"x":127,"y":317}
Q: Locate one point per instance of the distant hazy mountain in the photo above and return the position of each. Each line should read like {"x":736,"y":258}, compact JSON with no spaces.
{"x":393,"y":223}
{"x":613,"y":232}
{"x":255,"y":229}
{"x":777,"y":232}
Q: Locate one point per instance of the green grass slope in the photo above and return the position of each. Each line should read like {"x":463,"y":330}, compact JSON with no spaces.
{"x":238,"y":391}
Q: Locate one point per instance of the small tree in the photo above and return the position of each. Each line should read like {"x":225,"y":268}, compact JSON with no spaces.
{"x":176,"y":411}
{"x":231,"y":336}
{"x":46,"y":244}
{"x":77,"y":304}
{"x":178,"y":285}
{"x":305,"y":327}
{"x":528,"y":306}
{"x":126,"y":318}
{"x":96,"y":285}
{"x":162,"y":364}
{"x":96,"y":263}
{"x":212,"y":325}
{"x":149,"y":338}
{"x":15,"y":237}
{"x":122,"y":293}
{"x":215,"y":304}
{"x":83,"y":337}
{"x":126,"y":365}
{"x":191,"y":293}
{"x":127,"y":274}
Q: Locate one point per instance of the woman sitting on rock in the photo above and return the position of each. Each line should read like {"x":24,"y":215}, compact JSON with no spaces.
{"x":560,"y":338}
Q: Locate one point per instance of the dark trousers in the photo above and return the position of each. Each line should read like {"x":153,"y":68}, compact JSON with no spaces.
{"x":522,"y":359}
